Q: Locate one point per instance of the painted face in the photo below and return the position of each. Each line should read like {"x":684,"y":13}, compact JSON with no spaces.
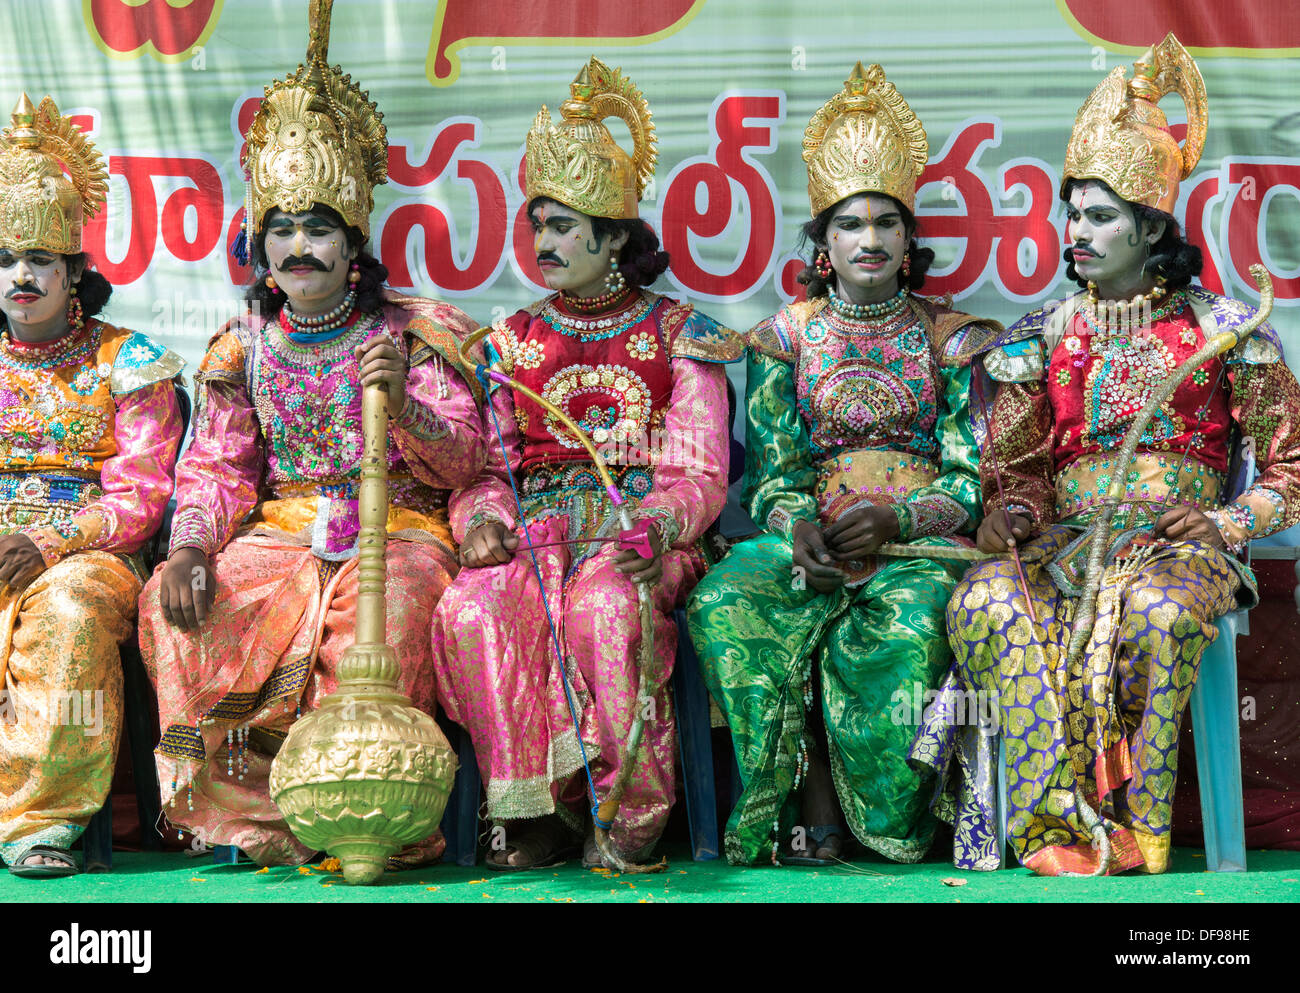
{"x":309,"y":257}
{"x":568,"y":253}
{"x":35,"y":287}
{"x":866,"y":240}
{"x":1104,"y":239}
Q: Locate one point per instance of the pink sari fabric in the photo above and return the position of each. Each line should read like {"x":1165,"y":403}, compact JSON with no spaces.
{"x":499,"y":677}
{"x":279,"y":627}
{"x":498,"y":674}
{"x":267,"y":490}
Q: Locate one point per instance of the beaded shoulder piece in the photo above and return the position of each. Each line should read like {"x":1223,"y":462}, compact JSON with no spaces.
{"x":1018,"y":354}
{"x":1263,"y":347}
{"x":138,"y":361}
{"x":694,"y":335}
{"x":435,"y":328}
{"x":777,"y":336}
{"x":223,"y":362}
{"x":956,"y":338}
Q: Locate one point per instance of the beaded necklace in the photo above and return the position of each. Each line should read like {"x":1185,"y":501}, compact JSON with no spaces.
{"x":1133,"y":317}
{"x":596,"y":328}
{"x":595,"y":305}
{"x":320,"y":359}
{"x":69,"y":349}
{"x":898,"y":317}
{"x":329,"y":321}
{"x":867,"y":311}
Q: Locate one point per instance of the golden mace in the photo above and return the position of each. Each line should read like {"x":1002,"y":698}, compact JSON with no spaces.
{"x":367,"y":773}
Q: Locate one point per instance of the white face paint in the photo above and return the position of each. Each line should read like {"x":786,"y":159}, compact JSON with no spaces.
{"x":309,"y":258}
{"x":1105,"y":242}
{"x":568,"y":253}
{"x":35,"y":288}
{"x":866,"y":239}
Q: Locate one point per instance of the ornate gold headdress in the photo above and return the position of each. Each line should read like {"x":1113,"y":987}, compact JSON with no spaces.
{"x":316,"y":138}
{"x":51,"y":180}
{"x":865,"y":139}
{"x":1121,"y":137}
{"x":577,"y":162}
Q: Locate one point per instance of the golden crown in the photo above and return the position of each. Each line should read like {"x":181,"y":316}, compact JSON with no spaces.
{"x":51,"y":180}
{"x":1121,"y":137}
{"x":865,"y":139}
{"x":316,"y":138}
{"x":577,"y":162}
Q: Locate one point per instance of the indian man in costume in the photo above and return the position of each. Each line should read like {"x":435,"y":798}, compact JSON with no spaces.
{"x":643,"y":375}
{"x":1092,"y":741}
{"x":89,"y":428}
{"x":244,"y":627}
{"x":858,"y":434}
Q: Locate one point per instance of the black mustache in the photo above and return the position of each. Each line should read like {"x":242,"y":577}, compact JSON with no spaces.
{"x":1087,"y":249}
{"x":873,"y":256}
{"x":551,"y":257}
{"x":310,"y":261}
{"x":25,"y":288}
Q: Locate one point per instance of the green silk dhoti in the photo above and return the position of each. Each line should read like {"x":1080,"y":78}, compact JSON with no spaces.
{"x":877,"y":646}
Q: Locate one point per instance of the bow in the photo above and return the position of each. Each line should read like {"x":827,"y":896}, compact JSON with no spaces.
{"x":1086,"y":613}
{"x":634,"y":537}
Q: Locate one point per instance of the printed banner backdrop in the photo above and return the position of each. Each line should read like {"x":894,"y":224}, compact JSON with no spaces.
{"x":167,"y":86}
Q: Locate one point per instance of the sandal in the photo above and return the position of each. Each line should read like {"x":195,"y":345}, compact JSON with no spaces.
{"x":817,"y":835}
{"x":544,"y":845}
{"x":67,"y":864}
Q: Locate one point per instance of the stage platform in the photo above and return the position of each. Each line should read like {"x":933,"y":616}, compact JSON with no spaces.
{"x":1274,"y":877}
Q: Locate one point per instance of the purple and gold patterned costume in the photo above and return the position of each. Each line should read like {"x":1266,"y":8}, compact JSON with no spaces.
{"x":1069,"y":389}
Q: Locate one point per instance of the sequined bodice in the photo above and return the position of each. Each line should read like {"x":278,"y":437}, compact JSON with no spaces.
{"x":610,"y":373}
{"x":1098,"y":379}
{"x":865,"y":385}
{"x":308,"y":402}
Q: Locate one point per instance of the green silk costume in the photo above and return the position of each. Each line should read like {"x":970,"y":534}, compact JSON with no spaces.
{"x":841,"y":414}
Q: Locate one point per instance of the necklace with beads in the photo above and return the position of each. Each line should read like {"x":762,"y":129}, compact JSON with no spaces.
{"x":597,"y":304}
{"x":867,"y":311}
{"x":68,"y":349}
{"x":322,"y":323}
{"x":888,"y":324}
{"x":588,"y":329}
{"x":1106,"y":318}
{"x":319,"y":360}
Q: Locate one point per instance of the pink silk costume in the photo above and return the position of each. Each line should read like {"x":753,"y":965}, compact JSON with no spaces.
{"x":89,"y":428}
{"x":268,"y":491}
{"x":646,"y":376}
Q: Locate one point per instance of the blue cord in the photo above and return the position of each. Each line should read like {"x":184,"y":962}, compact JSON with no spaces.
{"x":482,"y":373}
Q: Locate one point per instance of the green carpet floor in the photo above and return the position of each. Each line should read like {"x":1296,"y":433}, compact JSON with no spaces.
{"x":1274,"y":877}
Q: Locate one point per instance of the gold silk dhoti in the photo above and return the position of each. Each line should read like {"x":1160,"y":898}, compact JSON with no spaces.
{"x":61,"y":704}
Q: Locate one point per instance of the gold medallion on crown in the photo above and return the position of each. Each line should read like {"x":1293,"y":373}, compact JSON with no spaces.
{"x":865,"y":139}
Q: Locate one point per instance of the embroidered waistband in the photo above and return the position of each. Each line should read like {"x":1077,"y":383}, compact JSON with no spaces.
{"x":42,"y":488}
{"x":400,"y":484}
{"x":1151,"y":478}
{"x":632,"y":480}
{"x":851,"y":479}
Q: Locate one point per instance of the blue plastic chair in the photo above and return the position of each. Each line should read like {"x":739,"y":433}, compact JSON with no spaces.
{"x":1217,"y":737}
{"x":694,"y":746}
